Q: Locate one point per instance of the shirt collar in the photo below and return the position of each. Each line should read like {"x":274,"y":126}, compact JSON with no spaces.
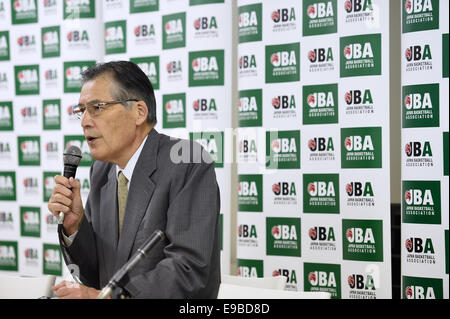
{"x":129,"y":168}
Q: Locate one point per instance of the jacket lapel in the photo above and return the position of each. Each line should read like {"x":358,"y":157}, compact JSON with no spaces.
{"x":139,"y":194}
{"x":109,"y":219}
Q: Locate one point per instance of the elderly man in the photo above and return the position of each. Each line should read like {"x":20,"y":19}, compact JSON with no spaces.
{"x":136,"y":188}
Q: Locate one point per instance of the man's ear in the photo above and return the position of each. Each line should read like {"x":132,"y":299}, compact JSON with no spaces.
{"x":142,"y":112}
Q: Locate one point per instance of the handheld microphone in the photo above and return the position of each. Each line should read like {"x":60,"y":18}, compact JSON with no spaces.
{"x":140,"y":254}
{"x":71,"y":158}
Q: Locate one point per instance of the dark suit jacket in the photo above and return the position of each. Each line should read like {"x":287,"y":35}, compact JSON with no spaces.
{"x":180,"y":199}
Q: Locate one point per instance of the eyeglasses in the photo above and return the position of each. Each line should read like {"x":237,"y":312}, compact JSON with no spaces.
{"x":95,"y":109}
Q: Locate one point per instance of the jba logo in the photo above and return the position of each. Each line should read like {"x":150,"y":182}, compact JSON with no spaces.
{"x":115,"y":41}
{"x":51,"y":147}
{"x":205,"y":23}
{"x":174,"y":107}
{"x":144,"y":31}
{"x":150,"y":66}
{"x":418,"y":53}
{"x":362,"y":239}
{"x":247,"y":189}
{"x":24,"y":5}
{"x":283,"y":236}
{"x":50,"y":38}
{"x":358,"y":51}
{"x":205,"y":64}
{"x":149,"y":69}
{"x":419,"y":292}
{"x":418,"y":197}
{"x":26,"y":41}
{"x":173,"y":27}
{"x":52,"y":260}
{"x":8,"y":256}
{"x":7,"y":186}
{"x":283,"y":58}
{"x":29,"y":147}
{"x":51,"y":75}
{"x":420,"y":15}
{"x":4,"y":47}
{"x":31,"y":254}
{"x":30,"y":222}
{"x":358,"y":6}
{"x":320,"y":104}
{"x":360,"y":194}
{"x":419,"y":154}
{"x":417,"y":101}
{"x":5,"y":150}
{"x":73,"y":73}
{"x":212,"y":142}
{"x":420,"y":251}
{"x":204,"y":105}
{"x":321,"y":144}
{"x":174,"y":33}
{"x":284,"y":189}
{"x":6,"y":220}
{"x":417,"y":245}
{"x":284,"y":145}
{"x":283,"y":15}
{"x":174,"y":67}
{"x":49,"y":3}
{"x":320,"y":55}
{"x":418,"y":6}
{"x":320,"y":193}
{"x":358,"y":189}
{"x":248,"y":104}
{"x":359,"y":143}
{"x":206,"y":68}
{"x":247,"y":231}
{"x":30,"y":184}
{"x":78,"y":36}
{"x":248,"y":19}
{"x":322,"y":279}
{"x":416,"y":149}
{"x":51,"y":110}
{"x":29,"y":112}
{"x":321,"y":99}
{"x":284,"y":102}
{"x":360,"y":235}
{"x":246,"y":62}
{"x":321,"y":189}
{"x":357,"y":97}
{"x":356,"y":281}
{"x":114,"y":33}
{"x":248,"y":146}
{"x":30,"y":218}
{"x":244,"y":271}
{"x":319,"y":233}
{"x":28,"y":76}
{"x":320,"y":10}
{"x":285,"y":232}
{"x":5,"y":115}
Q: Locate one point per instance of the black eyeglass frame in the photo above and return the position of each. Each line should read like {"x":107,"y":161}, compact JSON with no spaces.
{"x":80,"y":109}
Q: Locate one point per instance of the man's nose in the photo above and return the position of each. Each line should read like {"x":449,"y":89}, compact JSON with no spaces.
{"x":86,"y":120}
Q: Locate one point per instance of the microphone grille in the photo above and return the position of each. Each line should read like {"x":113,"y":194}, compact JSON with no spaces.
{"x":72,"y":156}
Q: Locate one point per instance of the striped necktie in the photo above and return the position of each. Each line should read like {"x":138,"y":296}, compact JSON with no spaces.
{"x":122,"y":194}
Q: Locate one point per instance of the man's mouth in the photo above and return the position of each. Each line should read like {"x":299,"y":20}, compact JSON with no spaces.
{"x":91,"y":138}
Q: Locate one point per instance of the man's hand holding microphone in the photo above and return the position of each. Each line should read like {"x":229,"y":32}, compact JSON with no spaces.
{"x":66,"y":205}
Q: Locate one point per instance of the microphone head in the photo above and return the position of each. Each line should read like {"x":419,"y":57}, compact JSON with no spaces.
{"x":72,"y":156}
